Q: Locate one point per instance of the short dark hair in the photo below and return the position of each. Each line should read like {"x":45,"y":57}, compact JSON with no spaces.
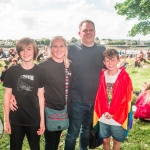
{"x":87,"y":21}
{"x":110,"y":53}
{"x":22,"y":43}
{"x":15,"y":60}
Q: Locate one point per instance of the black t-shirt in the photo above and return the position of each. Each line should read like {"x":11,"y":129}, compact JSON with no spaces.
{"x":87,"y":63}
{"x":54,"y":83}
{"x":25,"y":84}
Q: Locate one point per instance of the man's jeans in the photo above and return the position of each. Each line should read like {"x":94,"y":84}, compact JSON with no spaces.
{"x":80,"y":119}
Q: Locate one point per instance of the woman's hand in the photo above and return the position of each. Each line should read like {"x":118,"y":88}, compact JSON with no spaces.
{"x":13,"y":103}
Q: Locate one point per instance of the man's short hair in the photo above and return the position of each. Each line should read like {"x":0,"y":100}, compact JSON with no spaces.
{"x":87,"y":21}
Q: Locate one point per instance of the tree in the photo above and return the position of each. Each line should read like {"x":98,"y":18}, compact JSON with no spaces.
{"x":96,"y":38}
{"x":73,"y":40}
{"x":134,"y":42}
{"x":37,"y":42}
{"x":139,"y":9}
{"x":42,"y":42}
{"x":47,"y":42}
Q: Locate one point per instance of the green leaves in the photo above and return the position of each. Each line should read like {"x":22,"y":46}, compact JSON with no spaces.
{"x":139,"y":9}
{"x":142,"y":27}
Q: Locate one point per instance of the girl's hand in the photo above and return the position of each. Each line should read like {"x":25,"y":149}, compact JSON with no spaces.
{"x":7,"y":127}
{"x":42,"y":129}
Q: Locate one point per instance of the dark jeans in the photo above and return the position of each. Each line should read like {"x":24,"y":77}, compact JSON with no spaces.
{"x":52,"y":139}
{"x":137,"y":64}
{"x":18,"y":133}
{"x":80,"y":119}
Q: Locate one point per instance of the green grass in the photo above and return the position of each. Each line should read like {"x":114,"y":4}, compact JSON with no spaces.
{"x":139,"y":135}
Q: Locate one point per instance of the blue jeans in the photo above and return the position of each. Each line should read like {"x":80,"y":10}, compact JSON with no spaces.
{"x":80,"y":118}
{"x":117,"y":132}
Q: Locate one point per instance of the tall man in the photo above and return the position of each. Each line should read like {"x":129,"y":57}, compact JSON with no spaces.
{"x":87,"y":63}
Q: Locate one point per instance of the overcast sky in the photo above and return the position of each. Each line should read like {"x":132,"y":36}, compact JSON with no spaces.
{"x":47,"y":18}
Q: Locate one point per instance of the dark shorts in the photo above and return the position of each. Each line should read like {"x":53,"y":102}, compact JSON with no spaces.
{"x":117,"y":132}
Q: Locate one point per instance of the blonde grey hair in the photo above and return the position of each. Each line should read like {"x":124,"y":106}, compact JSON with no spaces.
{"x":66,"y":60}
{"x":147,"y":90}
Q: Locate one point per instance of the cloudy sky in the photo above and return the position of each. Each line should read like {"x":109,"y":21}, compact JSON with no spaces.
{"x":46,"y":18}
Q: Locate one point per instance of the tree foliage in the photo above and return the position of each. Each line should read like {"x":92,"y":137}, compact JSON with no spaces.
{"x":96,"y":38}
{"x":139,"y":9}
{"x":119,"y":42}
{"x":73,"y":40}
{"x":47,"y":42}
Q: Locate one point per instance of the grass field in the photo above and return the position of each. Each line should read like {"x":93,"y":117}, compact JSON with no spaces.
{"x":139,"y":135}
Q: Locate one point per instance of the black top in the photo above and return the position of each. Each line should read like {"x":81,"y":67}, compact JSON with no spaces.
{"x":25,"y":84}
{"x":54,"y":83}
{"x":3,"y":74}
{"x":87,"y":63}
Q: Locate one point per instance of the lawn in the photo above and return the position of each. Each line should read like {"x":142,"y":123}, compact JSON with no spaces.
{"x":139,"y":135}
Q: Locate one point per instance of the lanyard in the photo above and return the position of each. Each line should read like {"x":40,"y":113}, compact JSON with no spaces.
{"x":66,"y":84}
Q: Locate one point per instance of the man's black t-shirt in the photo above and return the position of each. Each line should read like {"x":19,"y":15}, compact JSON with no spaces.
{"x":25,"y":84}
{"x":87,"y":63}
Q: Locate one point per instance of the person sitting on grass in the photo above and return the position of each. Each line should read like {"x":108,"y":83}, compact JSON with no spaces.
{"x":137,"y":62}
{"x":14,"y":61}
{"x":143,"y":104}
{"x":2,"y":54}
{"x":141,"y":57}
{"x":125,"y":63}
{"x":148,"y":54}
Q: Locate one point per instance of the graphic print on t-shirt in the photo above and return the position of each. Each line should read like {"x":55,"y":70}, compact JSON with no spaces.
{"x":110,"y":82}
{"x":109,"y":88}
{"x":22,"y":85}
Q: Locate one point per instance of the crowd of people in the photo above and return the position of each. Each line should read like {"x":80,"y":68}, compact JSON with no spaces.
{"x":10,"y":59}
{"x":96,"y":92}
{"x":140,"y":59}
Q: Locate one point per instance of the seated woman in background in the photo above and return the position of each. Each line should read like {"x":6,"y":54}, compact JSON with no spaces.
{"x":137,"y":62}
{"x":141,"y":57}
{"x":148,"y":54}
{"x":143,"y":104}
